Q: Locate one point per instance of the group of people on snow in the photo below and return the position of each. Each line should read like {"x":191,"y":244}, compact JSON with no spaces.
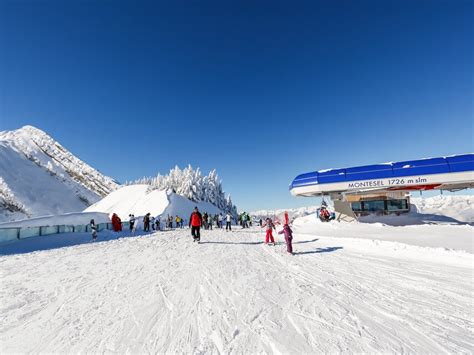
{"x":197,"y":220}
{"x":244,"y":220}
{"x":206,"y":220}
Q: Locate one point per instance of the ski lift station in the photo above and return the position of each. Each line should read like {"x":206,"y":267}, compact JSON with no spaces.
{"x":385,"y":188}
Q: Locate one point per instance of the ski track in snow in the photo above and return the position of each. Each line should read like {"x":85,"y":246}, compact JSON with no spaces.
{"x":233,"y":294}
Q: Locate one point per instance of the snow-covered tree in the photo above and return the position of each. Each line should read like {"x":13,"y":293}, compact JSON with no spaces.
{"x":191,"y":184}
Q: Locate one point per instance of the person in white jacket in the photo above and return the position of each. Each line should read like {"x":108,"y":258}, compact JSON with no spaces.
{"x":228,"y":222}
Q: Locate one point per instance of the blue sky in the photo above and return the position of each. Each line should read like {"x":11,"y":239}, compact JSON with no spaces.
{"x":259,"y":90}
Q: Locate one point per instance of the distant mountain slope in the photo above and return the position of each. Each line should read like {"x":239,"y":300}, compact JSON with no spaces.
{"x":38,"y":176}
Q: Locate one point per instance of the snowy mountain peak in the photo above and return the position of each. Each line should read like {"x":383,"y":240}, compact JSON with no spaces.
{"x":33,"y":164}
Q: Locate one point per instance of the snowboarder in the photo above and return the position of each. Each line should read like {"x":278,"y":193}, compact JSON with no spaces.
{"x":288,"y":237}
{"x":93,"y":230}
{"x":146,"y":222}
{"x":195,"y":222}
{"x":132,"y":222}
{"x":228,"y":222}
{"x":269,"y":227}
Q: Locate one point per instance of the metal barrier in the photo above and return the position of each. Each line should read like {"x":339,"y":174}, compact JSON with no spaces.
{"x":16,"y":233}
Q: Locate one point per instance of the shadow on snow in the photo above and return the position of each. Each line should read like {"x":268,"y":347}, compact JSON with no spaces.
{"x":318,"y":251}
{"x":56,"y":241}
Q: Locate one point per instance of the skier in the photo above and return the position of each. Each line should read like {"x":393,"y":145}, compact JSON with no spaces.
{"x":260,"y":222}
{"x":157,"y":222}
{"x":245,"y":219}
{"x":209,"y":221}
{"x":93,"y":230}
{"x":195,"y":222}
{"x":288,"y":237}
{"x":152,"y":222}
{"x":228,"y":224}
{"x":269,"y":227}
{"x":324,"y":214}
{"x":146,"y":222}
{"x":220,"y":218}
{"x":132,"y":222}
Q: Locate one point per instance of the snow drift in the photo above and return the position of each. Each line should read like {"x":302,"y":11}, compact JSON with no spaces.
{"x":139,"y":200}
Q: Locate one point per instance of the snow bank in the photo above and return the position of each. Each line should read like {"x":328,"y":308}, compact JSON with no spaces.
{"x":138,"y":200}
{"x":71,"y":219}
{"x":292,"y":212}
{"x":458,"y":237}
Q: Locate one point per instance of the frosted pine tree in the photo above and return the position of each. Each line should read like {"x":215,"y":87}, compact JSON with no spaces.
{"x":193,"y":185}
{"x":212,"y":187}
{"x":185,"y":187}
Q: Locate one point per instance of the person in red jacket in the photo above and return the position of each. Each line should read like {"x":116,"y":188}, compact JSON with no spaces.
{"x":116,"y":223}
{"x":195,"y":222}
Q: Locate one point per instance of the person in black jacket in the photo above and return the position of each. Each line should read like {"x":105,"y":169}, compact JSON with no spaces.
{"x":146,"y":222}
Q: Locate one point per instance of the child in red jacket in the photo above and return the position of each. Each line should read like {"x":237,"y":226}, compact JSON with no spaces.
{"x":270,"y":226}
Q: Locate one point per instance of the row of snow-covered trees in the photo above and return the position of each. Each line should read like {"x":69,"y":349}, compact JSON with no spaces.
{"x":190,"y":183}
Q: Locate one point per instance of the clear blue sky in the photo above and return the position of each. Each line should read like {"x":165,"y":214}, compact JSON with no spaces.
{"x":259,"y":90}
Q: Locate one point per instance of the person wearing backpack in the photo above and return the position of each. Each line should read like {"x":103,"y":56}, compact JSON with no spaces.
{"x":195,"y":222}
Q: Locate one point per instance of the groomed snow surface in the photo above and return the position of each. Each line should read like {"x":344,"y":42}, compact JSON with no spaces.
{"x":232,"y":294}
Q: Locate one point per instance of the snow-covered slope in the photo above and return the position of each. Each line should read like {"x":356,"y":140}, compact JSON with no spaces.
{"x":38,"y":177}
{"x":140,"y":200}
{"x":232,"y":294}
